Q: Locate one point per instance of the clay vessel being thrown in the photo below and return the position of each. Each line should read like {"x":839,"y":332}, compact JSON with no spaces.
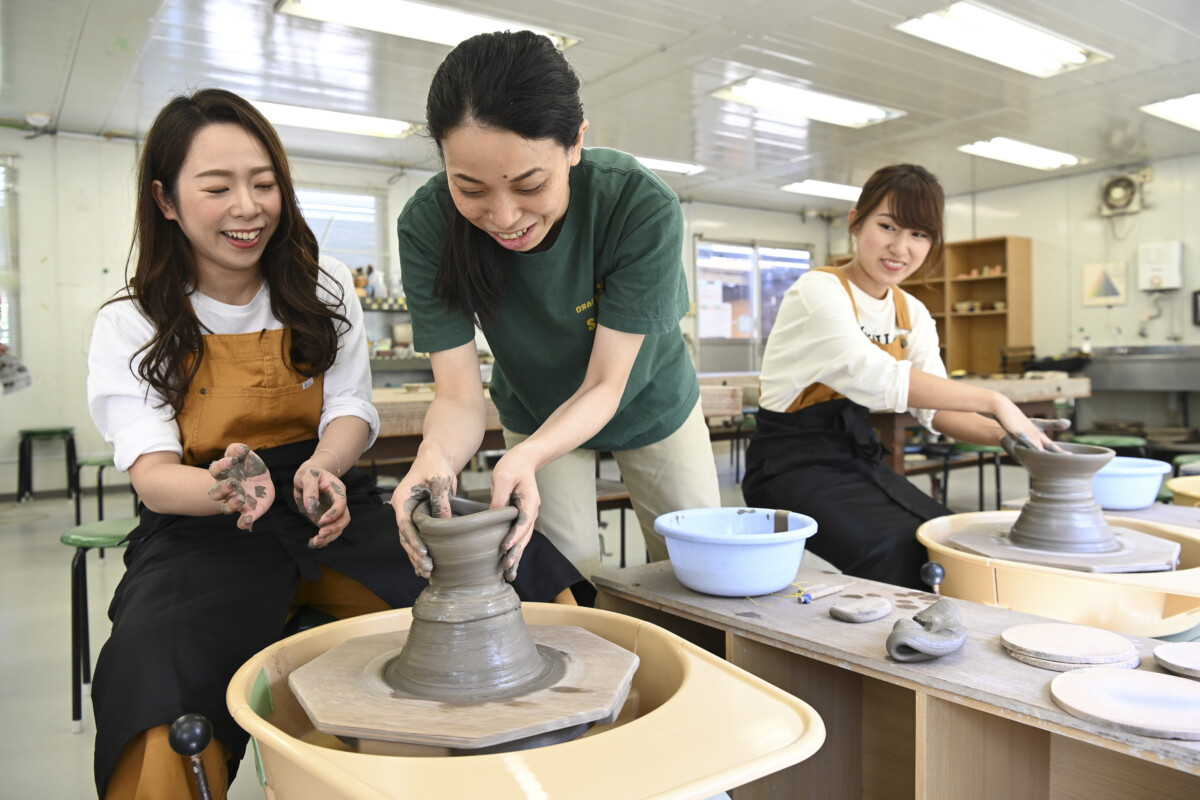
{"x":1062,"y":513}
{"x":468,"y":641}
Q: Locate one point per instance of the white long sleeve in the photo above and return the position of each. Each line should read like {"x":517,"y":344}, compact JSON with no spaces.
{"x":816,"y":339}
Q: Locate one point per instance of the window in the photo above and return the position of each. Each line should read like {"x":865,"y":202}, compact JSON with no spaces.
{"x":347,"y":226}
{"x":739,"y":289}
{"x":10,"y":285}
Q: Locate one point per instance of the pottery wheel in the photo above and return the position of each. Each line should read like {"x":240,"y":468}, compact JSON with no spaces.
{"x":1072,"y":644}
{"x":1182,"y":658}
{"x":344,"y":693}
{"x":1137,"y":551}
{"x":1146,"y":703}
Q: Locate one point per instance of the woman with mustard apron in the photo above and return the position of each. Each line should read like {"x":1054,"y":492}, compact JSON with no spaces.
{"x":848,"y":341}
{"x":232,"y":379}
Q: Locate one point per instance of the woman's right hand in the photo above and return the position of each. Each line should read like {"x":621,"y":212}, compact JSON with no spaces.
{"x":244,"y":484}
{"x":1025,"y":430}
{"x":430,"y":479}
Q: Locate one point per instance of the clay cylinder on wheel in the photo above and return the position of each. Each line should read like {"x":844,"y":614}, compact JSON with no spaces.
{"x":468,"y":639}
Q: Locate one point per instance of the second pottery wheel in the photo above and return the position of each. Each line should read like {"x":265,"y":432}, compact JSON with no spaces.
{"x":1062,"y":525}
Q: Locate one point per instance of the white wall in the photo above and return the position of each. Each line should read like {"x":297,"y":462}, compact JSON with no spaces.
{"x":1062,"y":218}
{"x":76,"y":210}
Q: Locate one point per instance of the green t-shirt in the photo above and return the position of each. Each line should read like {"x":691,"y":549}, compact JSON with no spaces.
{"x":616,"y":262}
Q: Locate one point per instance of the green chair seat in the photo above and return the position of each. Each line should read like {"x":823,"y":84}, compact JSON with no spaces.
{"x":970,"y":447}
{"x":95,"y":461}
{"x":1109,"y":440}
{"x":1165,"y":495}
{"x":105,"y":533}
{"x":46,"y":433}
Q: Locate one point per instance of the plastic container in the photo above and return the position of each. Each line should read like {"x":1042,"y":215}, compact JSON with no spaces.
{"x":1186,"y":490}
{"x":734,"y":552}
{"x":1127,"y":483}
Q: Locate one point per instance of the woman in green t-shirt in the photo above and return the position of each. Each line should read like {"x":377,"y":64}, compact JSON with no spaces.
{"x":570,"y":261}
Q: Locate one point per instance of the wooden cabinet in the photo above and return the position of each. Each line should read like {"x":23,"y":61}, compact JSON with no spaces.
{"x":981,"y":300}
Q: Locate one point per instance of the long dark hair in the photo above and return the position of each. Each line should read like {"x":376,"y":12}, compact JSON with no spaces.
{"x":917,"y":203}
{"x":512,"y":81}
{"x":166,"y":267}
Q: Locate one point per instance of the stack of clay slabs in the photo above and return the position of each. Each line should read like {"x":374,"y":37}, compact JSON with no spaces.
{"x":1062,"y":647}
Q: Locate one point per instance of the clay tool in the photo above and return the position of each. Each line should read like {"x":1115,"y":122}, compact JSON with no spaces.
{"x":810,"y":593}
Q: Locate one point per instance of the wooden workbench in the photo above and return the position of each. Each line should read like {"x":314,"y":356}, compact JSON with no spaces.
{"x":976,"y":723}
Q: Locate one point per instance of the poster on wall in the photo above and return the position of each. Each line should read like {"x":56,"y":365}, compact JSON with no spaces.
{"x":1105,"y":284}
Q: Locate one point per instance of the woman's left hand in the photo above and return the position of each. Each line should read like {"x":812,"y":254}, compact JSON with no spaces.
{"x":513,"y":483}
{"x":321,"y":496}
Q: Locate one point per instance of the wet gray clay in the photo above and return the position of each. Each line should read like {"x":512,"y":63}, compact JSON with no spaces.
{"x":468,"y":638}
{"x":935,"y":632}
{"x":863,"y":609}
{"x":1062,"y":513}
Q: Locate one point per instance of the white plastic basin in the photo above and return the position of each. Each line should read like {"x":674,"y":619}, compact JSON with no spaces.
{"x":1127,"y":483}
{"x":734,"y":552}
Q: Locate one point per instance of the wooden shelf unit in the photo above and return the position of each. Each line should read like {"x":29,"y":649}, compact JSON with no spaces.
{"x":974,"y":340}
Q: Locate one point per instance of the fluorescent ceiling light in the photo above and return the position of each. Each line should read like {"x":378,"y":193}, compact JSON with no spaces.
{"x":411,"y":20}
{"x":661,"y":165}
{"x":301,"y":117}
{"x":838,"y":191}
{"x":1180,"y":110}
{"x":794,"y":102}
{"x":982,"y":32}
{"x":1026,"y":155}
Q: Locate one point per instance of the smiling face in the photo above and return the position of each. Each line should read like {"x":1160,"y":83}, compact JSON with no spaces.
{"x":227,"y":202}
{"x":516,"y":190}
{"x":887,"y":253}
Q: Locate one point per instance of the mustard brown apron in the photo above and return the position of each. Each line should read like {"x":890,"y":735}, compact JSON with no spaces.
{"x":200,"y":596}
{"x":821,"y":458}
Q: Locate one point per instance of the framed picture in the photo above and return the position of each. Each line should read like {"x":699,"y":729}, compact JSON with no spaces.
{"x":1105,"y":283}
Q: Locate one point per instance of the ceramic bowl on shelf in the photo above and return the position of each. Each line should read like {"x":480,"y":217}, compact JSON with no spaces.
{"x":735,"y":552}
{"x":414,"y":387}
{"x":964,"y":306}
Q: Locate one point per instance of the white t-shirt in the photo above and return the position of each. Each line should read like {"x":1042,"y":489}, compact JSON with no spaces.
{"x":816,"y":339}
{"x":133,"y":417}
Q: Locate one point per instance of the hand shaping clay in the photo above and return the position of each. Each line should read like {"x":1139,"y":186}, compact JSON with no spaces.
{"x":863,"y":609}
{"x":935,"y":632}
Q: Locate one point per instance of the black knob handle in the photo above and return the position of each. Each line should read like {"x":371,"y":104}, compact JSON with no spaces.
{"x":190,"y":734}
{"x":933,"y":574}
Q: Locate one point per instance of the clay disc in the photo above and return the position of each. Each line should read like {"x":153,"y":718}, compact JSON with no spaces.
{"x":1142,"y":702}
{"x":864,"y":609}
{"x":1182,"y":658}
{"x":1074,"y":644}
{"x":1066,"y":666}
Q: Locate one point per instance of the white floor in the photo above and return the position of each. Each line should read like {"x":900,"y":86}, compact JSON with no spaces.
{"x":39,"y":756}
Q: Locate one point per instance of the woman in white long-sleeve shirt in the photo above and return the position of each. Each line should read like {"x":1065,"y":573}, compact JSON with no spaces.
{"x":849,"y":341}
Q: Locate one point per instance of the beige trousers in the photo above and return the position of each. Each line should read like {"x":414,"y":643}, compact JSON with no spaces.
{"x":676,"y":473}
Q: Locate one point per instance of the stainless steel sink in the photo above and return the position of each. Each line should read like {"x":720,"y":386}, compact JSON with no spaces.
{"x":1148,"y":368}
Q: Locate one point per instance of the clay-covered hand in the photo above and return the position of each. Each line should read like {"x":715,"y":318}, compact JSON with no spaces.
{"x":243,"y":485}
{"x":1024,"y":430}
{"x":321,"y":497}
{"x":513,"y":483}
{"x":425,"y":481}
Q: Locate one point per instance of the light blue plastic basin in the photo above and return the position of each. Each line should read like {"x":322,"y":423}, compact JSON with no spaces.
{"x":1127,"y":483}
{"x":734,"y":552}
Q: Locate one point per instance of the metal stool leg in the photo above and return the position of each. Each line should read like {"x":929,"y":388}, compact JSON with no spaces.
{"x":981,"y":465}
{"x":996,"y":461}
{"x":25,"y":470}
{"x":78,"y":499}
{"x":78,"y":598}
{"x":72,"y":471}
{"x":100,"y":498}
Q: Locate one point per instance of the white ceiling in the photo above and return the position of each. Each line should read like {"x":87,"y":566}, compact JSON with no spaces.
{"x":104,"y":67}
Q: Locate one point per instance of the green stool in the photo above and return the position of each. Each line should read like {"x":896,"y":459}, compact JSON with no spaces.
{"x":25,"y":459}
{"x":983,"y":451}
{"x":1180,"y":461}
{"x":1124,"y":445}
{"x":106,"y":533}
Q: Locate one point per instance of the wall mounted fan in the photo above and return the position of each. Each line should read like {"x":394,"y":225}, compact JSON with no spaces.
{"x":1121,"y":195}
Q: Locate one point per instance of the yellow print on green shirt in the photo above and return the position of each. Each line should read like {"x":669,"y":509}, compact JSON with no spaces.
{"x":582,"y":307}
